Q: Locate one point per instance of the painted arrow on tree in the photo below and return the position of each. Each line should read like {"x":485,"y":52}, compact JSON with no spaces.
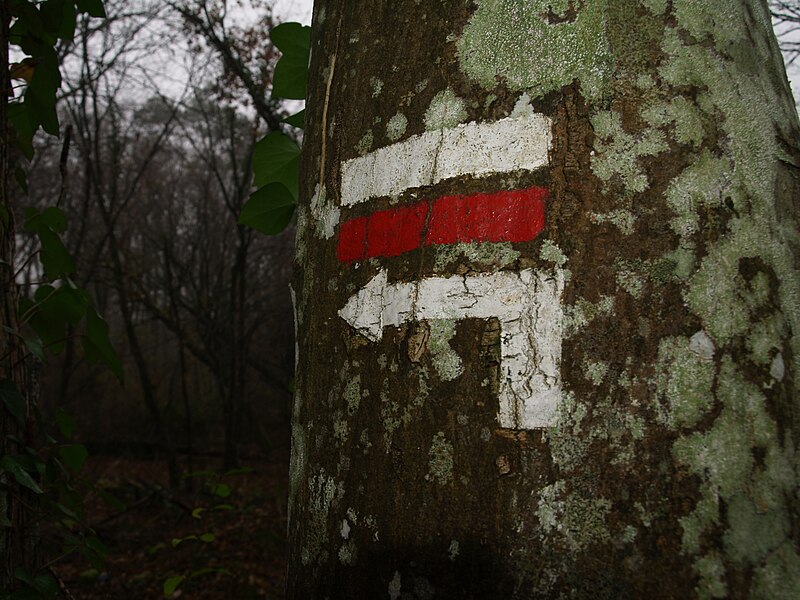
{"x":528,"y":306}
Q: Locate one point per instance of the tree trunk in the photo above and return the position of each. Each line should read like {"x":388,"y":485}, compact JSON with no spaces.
{"x":547,"y":303}
{"x":19,"y":539}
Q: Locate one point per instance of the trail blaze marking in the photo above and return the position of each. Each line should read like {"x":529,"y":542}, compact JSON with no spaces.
{"x":514,"y":216}
{"x":507,"y":145}
{"x":527,"y":304}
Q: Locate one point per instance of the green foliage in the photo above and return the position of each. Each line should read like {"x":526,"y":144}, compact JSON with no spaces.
{"x":50,"y":471}
{"x":217,"y":485}
{"x":291,"y":72}
{"x":276,"y":157}
{"x":269,"y":209}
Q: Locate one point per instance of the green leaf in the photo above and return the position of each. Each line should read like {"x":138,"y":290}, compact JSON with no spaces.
{"x":74,"y":456}
{"x":65,"y":422}
{"x":55,"y":257}
{"x":40,"y":95}
{"x":291,"y":72}
{"x":222,"y":490}
{"x":12,"y":465}
{"x":93,"y":8}
{"x":198,"y":512}
{"x":19,"y":115}
{"x":12,"y":400}
{"x":58,"y":16}
{"x":269,"y":209}
{"x":35,"y":347}
{"x":97,"y":346}
{"x":54,"y":218}
{"x":276,"y":158}
{"x":208,"y":538}
{"x":45,"y":585}
{"x":297,"y":119}
{"x":171,"y":584}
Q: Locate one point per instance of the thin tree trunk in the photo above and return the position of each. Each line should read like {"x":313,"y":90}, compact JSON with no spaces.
{"x":19,"y":543}
{"x":548,"y":303}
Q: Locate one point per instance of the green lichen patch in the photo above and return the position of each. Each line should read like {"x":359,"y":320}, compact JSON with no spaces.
{"x":711,"y":571}
{"x":446,"y":110}
{"x":352,"y":394}
{"x":446,"y":361}
{"x":779,"y":578}
{"x":683,"y":115}
{"x":552,"y":253}
{"x":440,"y":463}
{"x":685,"y":381}
{"x":396,"y":127}
{"x":578,"y":520}
{"x":755,"y":493}
{"x":631,"y":281}
{"x":753,"y":114}
{"x":515,"y":42}
{"x":365,"y":143}
{"x":376,"y":85}
{"x":595,"y":372}
{"x":623,"y":219}
{"x":617,"y":152}
{"x":487,"y":254}
{"x":583,"y":312}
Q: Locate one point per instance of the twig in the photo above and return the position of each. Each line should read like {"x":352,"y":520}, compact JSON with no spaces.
{"x":61,"y":585}
{"x":62,"y":165}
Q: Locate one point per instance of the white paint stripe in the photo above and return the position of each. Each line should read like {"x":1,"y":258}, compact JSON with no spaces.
{"x":511,"y":144}
{"x":528,"y":305}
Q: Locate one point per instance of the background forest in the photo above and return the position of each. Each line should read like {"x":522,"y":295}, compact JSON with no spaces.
{"x":184,"y":490}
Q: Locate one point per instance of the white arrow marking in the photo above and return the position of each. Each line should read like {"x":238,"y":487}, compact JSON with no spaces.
{"x":511,"y":144}
{"x":528,"y":305}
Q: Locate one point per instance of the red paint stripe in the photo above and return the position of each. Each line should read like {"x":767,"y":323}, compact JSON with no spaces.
{"x":515,"y":216}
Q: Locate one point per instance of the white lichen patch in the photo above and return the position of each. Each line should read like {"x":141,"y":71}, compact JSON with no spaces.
{"x":617,"y":152}
{"x":445,"y":111}
{"x":453,"y":550}
{"x":324,"y":493}
{"x":515,"y":42}
{"x":326,"y":216}
{"x":396,"y":127}
{"x":376,"y":85}
{"x":395,"y":585}
{"x":702,"y":345}
{"x":440,"y":463}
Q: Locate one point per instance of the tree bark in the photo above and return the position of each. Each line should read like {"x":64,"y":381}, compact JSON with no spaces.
{"x":547,"y":303}
{"x":19,"y":540}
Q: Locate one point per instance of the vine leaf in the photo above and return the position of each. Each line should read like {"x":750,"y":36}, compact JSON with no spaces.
{"x":291,"y":72}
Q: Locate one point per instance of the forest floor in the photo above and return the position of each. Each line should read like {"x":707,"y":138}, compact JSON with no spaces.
{"x":235,"y":523}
